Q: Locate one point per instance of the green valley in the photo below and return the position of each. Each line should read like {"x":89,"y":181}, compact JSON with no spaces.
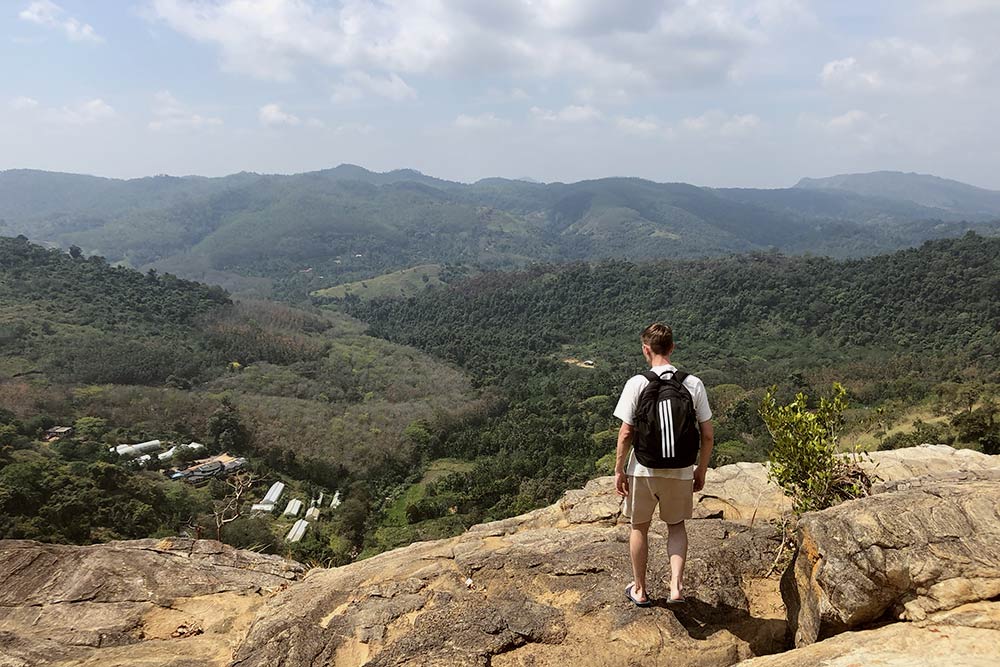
{"x":404,"y":340}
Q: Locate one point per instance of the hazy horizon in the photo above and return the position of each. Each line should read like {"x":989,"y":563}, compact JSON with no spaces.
{"x":718,"y":93}
{"x":510,"y":178}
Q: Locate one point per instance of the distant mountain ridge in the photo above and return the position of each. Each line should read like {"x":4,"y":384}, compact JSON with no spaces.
{"x":348,"y":223}
{"x":922,"y":189}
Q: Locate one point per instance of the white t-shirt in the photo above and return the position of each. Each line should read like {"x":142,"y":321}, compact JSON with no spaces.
{"x":625,"y":410}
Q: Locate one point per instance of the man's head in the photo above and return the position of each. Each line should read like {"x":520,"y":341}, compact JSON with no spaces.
{"x":657,"y":340}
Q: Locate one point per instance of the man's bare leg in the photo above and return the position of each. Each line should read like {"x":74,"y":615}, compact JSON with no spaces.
{"x":638,"y":545}
{"x":677,"y":546}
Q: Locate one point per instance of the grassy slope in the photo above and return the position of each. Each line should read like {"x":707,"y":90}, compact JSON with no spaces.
{"x":395,"y":529}
{"x":311,"y":386}
{"x":405,"y":283}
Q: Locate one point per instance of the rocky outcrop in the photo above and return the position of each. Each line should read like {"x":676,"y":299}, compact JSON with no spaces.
{"x":968,"y":636}
{"x":902,"y":554}
{"x":936,"y":461}
{"x":516,"y":593}
{"x":547,"y":587}
{"x":741,"y":492}
{"x":157,"y":602}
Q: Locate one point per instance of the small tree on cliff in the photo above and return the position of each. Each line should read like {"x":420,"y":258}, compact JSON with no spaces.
{"x":803,"y":459}
{"x":230,"y":508}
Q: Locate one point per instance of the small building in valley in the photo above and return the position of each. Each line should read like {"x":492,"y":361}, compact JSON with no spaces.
{"x":132,"y":451}
{"x":297,"y":531}
{"x":293,"y":507}
{"x":58,"y":432}
{"x":270,"y":498}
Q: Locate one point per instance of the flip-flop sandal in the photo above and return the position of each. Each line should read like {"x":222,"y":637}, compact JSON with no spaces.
{"x":671,"y":601}
{"x":637,"y":603}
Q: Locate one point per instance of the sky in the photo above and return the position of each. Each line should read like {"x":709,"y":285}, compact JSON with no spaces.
{"x":743,"y":93}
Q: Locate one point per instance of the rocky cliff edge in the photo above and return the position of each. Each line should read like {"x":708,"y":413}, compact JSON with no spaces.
{"x":546,"y":588}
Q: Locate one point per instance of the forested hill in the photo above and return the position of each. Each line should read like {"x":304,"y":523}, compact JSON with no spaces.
{"x":739,"y":315}
{"x":921,"y":189}
{"x":78,"y":318}
{"x":348,"y":223}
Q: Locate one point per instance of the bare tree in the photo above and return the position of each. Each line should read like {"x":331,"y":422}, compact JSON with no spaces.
{"x":230,"y":508}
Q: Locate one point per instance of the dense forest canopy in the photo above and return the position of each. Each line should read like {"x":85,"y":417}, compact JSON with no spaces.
{"x":737,"y":313}
{"x":79,"y":319}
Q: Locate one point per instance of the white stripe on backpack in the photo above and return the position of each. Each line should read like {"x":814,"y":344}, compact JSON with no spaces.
{"x":670,"y":429}
{"x":663,"y":428}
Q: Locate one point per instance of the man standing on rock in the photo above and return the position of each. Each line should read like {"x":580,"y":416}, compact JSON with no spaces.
{"x":666,"y":422}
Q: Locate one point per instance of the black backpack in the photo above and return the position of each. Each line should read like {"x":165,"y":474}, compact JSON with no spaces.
{"x":667,"y":433}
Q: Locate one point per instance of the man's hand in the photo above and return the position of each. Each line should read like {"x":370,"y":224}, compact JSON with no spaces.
{"x":699,"y":478}
{"x":621,"y":483}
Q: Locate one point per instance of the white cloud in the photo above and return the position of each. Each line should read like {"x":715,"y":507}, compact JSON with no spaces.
{"x":780,"y":13}
{"x":849,"y":120}
{"x":962,"y":8}
{"x":605,"y":95}
{"x":354,"y":128}
{"x":628,"y":44}
{"x":272,"y":115}
{"x":85,"y":113}
{"x":644,"y":125}
{"x":573,"y":113}
{"x":854,"y":130}
{"x":357,"y":85}
{"x":50,"y":15}
{"x":480,"y":122}
{"x":23,"y":103}
{"x":503,"y":96}
{"x":719,"y":123}
{"x":895,"y":66}
{"x":170,"y":114}
{"x":739,"y":125}
{"x":847,"y":74}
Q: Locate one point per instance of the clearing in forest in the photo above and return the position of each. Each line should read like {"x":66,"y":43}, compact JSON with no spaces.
{"x":408,"y":282}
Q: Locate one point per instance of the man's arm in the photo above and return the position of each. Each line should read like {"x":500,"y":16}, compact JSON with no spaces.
{"x":621,"y":456}
{"x":705,"y":454}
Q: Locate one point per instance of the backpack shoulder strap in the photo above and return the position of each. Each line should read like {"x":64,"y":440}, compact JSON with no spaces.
{"x":680,"y":376}
{"x":651,"y":376}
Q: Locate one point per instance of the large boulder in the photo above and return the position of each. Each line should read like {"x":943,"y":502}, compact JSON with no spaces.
{"x":543,"y":589}
{"x":741,"y":492}
{"x":896,"y":555}
{"x":968,"y":636}
{"x":936,"y":461}
{"x":157,"y":602}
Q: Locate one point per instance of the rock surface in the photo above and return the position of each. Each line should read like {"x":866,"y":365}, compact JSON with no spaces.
{"x":938,"y":461}
{"x":906,"y":553}
{"x":545,"y":588}
{"x":157,"y":602}
{"x":741,"y":492}
{"x":514,"y":593}
{"x":968,"y":636}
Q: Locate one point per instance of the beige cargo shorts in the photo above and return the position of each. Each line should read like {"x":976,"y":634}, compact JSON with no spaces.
{"x":675,"y":498}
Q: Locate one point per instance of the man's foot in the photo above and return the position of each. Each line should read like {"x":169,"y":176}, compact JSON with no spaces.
{"x":676,"y":596}
{"x":640,"y":599}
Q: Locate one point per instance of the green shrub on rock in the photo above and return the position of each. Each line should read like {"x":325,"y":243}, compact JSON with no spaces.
{"x":803,"y":459}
